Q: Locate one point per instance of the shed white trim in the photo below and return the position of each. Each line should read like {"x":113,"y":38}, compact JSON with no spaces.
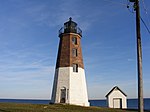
{"x":116,"y":98}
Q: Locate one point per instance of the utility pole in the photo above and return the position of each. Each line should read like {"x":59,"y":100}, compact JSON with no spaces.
{"x":139,"y":57}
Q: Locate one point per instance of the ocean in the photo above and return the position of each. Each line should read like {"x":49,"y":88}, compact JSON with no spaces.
{"x":131,"y":103}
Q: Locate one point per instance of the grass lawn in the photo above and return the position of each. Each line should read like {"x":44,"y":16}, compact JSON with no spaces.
{"x":15,"y":107}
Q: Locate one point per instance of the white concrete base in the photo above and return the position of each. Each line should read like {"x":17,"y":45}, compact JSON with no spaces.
{"x":73,"y":85}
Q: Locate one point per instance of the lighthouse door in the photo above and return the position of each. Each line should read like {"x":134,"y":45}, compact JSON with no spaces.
{"x":63,"y":95}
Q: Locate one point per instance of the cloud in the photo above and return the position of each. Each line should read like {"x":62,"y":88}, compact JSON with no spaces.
{"x":23,"y":64}
{"x":102,"y":88}
{"x":31,"y":79}
{"x":58,"y":13}
{"x":130,"y":59}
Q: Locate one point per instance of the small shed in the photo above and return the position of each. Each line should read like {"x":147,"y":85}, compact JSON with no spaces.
{"x":116,"y":98}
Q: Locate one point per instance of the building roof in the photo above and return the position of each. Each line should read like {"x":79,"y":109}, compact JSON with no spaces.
{"x":115,"y":88}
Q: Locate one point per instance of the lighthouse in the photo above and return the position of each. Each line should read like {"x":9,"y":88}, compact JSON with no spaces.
{"x":69,"y":86}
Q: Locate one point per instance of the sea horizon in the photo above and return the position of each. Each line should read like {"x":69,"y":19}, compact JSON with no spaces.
{"x":131,"y":103}
{"x":50,"y":99}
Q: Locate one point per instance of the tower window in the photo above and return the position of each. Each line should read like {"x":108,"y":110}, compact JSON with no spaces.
{"x":74,"y":40}
{"x":74,"y":52}
{"x":75,"y":67}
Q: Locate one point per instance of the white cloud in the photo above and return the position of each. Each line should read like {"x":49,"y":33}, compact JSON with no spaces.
{"x":102,"y":88}
{"x":30,"y":80}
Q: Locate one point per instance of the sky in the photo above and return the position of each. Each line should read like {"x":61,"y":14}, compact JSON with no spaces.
{"x":29,"y":45}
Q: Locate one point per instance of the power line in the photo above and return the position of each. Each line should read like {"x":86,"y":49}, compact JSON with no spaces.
{"x":127,"y":5}
{"x":147,"y":28}
{"x":146,"y":12}
{"x":144,"y":6}
{"x":145,"y":25}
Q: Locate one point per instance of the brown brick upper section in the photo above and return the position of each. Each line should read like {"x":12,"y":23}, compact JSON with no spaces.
{"x":65,"y":57}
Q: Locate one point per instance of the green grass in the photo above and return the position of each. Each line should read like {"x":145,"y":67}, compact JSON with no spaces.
{"x":14,"y":107}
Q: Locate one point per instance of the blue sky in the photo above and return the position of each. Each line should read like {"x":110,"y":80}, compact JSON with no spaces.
{"x":29,"y":44}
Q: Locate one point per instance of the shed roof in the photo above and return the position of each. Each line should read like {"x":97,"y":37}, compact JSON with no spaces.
{"x":115,"y":88}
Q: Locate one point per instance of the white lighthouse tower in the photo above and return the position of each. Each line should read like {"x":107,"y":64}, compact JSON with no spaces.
{"x":69,"y":82}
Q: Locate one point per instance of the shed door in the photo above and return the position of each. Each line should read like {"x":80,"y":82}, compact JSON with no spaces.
{"x":117,"y":103}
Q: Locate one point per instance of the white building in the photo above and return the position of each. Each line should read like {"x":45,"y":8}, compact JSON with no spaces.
{"x":116,"y":98}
